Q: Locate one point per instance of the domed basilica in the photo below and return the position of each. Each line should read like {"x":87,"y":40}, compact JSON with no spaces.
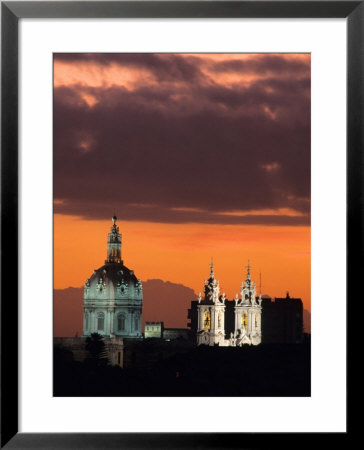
{"x":113,"y":295}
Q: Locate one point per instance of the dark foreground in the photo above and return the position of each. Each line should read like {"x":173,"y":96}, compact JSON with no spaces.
{"x":262,"y":371}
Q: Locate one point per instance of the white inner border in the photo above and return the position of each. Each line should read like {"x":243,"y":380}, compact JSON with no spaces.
{"x":325,"y":411}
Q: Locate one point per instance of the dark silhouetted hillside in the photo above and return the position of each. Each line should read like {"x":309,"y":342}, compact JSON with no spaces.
{"x":166,"y":301}
{"x":67,"y":312}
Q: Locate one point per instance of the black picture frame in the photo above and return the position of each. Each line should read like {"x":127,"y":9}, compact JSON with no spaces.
{"x":11,"y":12}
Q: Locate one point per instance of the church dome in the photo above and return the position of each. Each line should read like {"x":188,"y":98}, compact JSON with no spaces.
{"x":113,"y":295}
{"x":113,"y":280}
{"x":114,"y":273}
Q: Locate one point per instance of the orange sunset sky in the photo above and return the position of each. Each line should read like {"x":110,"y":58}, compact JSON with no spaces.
{"x":200,"y":155}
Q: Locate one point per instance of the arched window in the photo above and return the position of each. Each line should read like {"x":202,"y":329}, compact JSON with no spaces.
{"x":136,"y":323}
{"x":244,"y":320}
{"x":86,"y":321}
{"x":206,"y":320}
{"x":100,"y":321}
{"x":256,"y":320}
{"x":121,"y":322}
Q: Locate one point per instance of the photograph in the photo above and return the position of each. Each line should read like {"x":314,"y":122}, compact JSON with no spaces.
{"x":182,"y":224}
{"x":181,"y":198}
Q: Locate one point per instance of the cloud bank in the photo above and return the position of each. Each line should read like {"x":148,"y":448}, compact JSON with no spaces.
{"x":179,"y":138}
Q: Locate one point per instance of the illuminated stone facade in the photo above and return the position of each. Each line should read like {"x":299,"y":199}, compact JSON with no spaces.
{"x":113,"y":296}
{"x":153,"y":330}
{"x":211,"y":315}
{"x":248,"y":315}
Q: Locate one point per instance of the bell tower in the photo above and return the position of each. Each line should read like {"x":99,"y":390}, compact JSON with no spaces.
{"x":211,"y":313}
{"x":248,"y":313}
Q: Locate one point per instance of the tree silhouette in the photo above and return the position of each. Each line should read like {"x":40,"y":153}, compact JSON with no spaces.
{"x":95,"y":346}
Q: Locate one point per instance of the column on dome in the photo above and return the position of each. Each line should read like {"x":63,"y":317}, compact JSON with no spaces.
{"x":107,"y":322}
{"x":135,"y":322}
{"x":131,"y":315}
{"x":139,"y":318}
{"x":112,"y":314}
{"x":92,"y":321}
{"x":84,"y":321}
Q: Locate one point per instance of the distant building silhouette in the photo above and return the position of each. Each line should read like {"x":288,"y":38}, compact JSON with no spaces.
{"x":171,"y":334}
{"x":282,"y":320}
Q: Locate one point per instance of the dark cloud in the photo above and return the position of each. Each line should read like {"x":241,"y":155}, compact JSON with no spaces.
{"x":265,"y":64}
{"x":194,"y":145}
{"x":161,"y":214}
